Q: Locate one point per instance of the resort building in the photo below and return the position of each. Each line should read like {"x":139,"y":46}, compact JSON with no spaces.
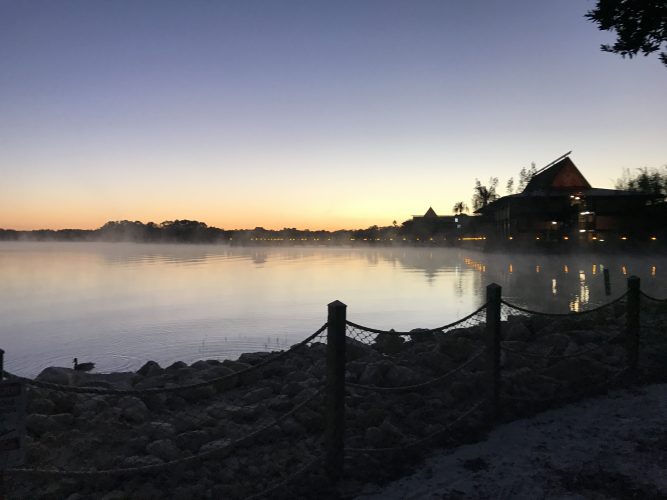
{"x":432,"y":226}
{"x":558,"y":204}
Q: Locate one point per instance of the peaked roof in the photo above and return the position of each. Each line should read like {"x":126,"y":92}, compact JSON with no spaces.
{"x":562,"y":175}
{"x":430,"y":213}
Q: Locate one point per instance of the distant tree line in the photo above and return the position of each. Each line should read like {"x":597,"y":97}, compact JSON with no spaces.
{"x":192,"y":231}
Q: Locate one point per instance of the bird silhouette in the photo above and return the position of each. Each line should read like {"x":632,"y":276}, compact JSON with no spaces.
{"x":83,"y":367}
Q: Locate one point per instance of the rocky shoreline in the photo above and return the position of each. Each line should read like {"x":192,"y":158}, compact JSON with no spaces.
{"x":230,"y":401}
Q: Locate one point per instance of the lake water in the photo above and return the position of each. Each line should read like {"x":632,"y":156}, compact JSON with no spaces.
{"x":120,"y":305}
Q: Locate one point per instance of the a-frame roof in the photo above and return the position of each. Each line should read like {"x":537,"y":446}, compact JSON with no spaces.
{"x":430,"y":213}
{"x":562,"y":175}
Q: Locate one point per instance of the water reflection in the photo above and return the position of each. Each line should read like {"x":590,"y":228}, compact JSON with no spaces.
{"x":119,"y":305}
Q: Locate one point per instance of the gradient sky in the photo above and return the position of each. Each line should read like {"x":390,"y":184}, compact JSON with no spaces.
{"x":309,"y":114}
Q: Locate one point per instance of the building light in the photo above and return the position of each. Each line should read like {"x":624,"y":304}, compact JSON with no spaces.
{"x":576,"y":198}
{"x":537,"y":237}
{"x":566,"y":237}
{"x":537,"y":269}
{"x":653,"y":270}
{"x":511,"y":269}
{"x":510,"y":237}
{"x":600,"y":239}
{"x":582,"y":230}
{"x":653,"y":238}
{"x":566,"y":269}
{"x":594,"y":238}
{"x":624,"y":237}
{"x":553,"y":222}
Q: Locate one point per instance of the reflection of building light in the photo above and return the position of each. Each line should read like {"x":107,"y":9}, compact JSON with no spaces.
{"x":553,"y":286}
{"x":537,"y":269}
{"x":624,"y":270}
{"x":511,"y":269}
{"x":582,"y":276}
{"x":566,"y":269}
{"x":653,"y":270}
{"x":595,"y":268}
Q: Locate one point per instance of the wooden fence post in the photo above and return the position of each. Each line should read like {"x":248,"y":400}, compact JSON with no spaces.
{"x":632,"y":323}
{"x":607,"y":283}
{"x":335,"y":402}
{"x":492,"y":335}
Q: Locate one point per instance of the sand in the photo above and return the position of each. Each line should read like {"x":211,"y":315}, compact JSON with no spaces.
{"x":613,"y":446}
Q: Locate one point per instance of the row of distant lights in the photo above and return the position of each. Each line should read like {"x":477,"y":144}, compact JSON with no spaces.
{"x":652,"y":238}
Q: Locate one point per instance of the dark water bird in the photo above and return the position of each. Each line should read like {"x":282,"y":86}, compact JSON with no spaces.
{"x":83,"y":367}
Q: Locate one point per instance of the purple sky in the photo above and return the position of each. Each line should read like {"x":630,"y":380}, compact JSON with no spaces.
{"x":305,"y":113}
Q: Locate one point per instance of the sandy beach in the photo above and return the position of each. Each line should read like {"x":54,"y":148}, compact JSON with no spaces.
{"x":613,"y":446}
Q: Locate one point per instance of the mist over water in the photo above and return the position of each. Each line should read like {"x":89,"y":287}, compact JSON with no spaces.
{"x":120,"y":305}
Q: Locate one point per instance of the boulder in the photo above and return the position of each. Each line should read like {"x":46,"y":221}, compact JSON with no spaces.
{"x":389,"y":344}
{"x":133,"y":409}
{"x":191,"y":440}
{"x":41,"y":424}
{"x":56,"y":375}
{"x":517,"y":330}
{"x":257,"y":395}
{"x":164,"y":449}
{"x":150,"y":369}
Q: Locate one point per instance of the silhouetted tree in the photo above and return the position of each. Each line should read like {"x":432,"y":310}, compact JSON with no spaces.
{"x":525,"y":175}
{"x":651,"y":181}
{"x":509,"y":187}
{"x":484,"y":195}
{"x":459,"y":207}
{"x":640,"y":25}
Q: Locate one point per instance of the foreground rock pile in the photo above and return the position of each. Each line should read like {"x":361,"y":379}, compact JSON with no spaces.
{"x":72,"y":431}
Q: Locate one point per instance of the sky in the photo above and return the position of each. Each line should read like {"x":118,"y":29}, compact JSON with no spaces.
{"x":305,"y":113}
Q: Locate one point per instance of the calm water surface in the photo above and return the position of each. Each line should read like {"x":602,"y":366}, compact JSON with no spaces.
{"x":120,"y":305}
